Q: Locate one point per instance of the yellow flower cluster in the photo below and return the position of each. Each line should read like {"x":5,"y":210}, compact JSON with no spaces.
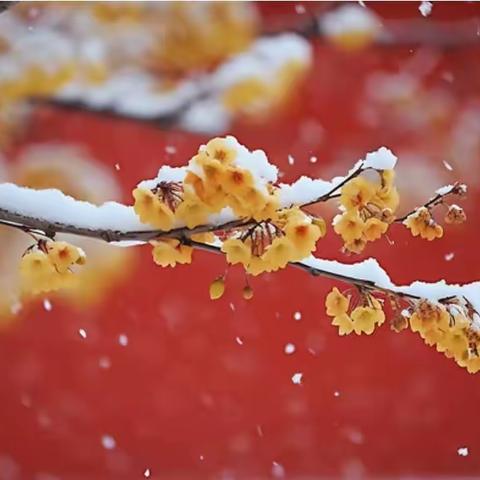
{"x":270,"y":245}
{"x":215,"y":181}
{"x":35,"y":81}
{"x":362,"y":319}
{"x":368,"y":210}
{"x":259,"y":96}
{"x":47,"y":266}
{"x":197,"y":39}
{"x":450,"y":330}
{"x":212,"y":182}
{"x":169,"y":252}
{"x":422,"y":223}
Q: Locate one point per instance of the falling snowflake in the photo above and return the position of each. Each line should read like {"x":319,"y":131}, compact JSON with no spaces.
{"x":104,"y":362}
{"x":463,"y":451}
{"x":278,"y":471}
{"x":108,"y":442}
{"x":291,"y":160}
{"x":123,"y":340}
{"x":289,"y":348}
{"x":297,"y":316}
{"x":299,"y":9}
{"x":425,"y":8}
{"x":297,"y":378}
{"x":47,"y":305}
{"x":449,"y":256}
{"x":447,"y":165}
{"x":82,"y":332}
{"x":147,"y":473}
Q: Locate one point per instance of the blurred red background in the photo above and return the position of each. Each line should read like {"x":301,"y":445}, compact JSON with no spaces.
{"x":203,"y":389}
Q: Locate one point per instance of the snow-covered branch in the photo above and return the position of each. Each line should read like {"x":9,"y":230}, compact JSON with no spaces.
{"x":226,"y":200}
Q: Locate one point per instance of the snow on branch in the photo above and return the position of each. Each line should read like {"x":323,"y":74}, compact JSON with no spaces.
{"x":226,"y":200}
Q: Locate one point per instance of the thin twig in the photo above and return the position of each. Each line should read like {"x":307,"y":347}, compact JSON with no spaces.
{"x":437,"y":199}
{"x":331,"y":193}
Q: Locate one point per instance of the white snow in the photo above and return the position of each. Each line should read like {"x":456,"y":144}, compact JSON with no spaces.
{"x":349,"y":18}
{"x":239,"y":340}
{"x":462,"y":451}
{"x":123,"y":340}
{"x":447,"y":166}
{"x":47,"y":305}
{"x":278,"y":470}
{"x":370,"y":270}
{"x":104,"y":362}
{"x":306,"y":189}
{"x":425,"y":8}
{"x":146,"y":473}
{"x":289,"y":348}
{"x":382,"y":159}
{"x":444,"y":190}
{"x":449,"y":256}
{"x":297,"y":378}
{"x":297,"y":316}
{"x":56,"y":207}
{"x":82,"y":332}
{"x":108,"y":442}
{"x":299,"y":9}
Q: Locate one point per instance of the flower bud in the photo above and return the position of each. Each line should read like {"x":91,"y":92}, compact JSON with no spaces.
{"x":217,"y":288}
{"x":455,"y":215}
{"x":247,"y":292}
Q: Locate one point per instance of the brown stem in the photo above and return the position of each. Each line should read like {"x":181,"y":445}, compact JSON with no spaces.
{"x":331,"y":193}
{"x":438,"y":198}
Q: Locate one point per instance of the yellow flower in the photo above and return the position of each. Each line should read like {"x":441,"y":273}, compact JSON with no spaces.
{"x":247,"y":292}
{"x":38,"y":273}
{"x":349,"y":225}
{"x":169,"y":252}
{"x":236,"y":251}
{"x":344,"y":324}
{"x":357,"y":193}
{"x":152,"y":210}
{"x":374,"y":229}
{"x":213,"y":169}
{"x":258,"y":265}
{"x":64,"y":255}
{"x":387,"y":198}
{"x":279,"y":253}
{"x":218,"y":149}
{"x":336,"y":303}
{"x":321,"y":224}
{"x":455,"y":342}
{"x":421,"y":223}
{"x":237,"y":180}
{"x":364,"y":319}
{"x":355,"y":246}
{"x":269,"y":209}
{"x":304,"y":237}
{"x":192,"y":211}
{"x":473,"y":365}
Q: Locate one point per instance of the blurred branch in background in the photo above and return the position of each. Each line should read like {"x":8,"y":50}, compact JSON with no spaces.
{"x":175,"y":72}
